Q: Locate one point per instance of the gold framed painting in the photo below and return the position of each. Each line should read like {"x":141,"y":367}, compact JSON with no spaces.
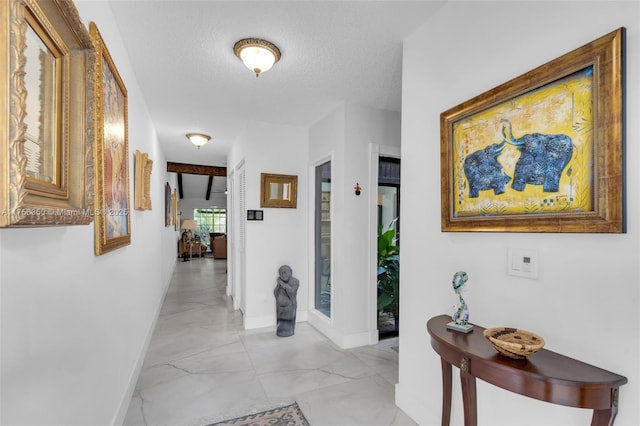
{"x":47,"y":127}
{"x":278,"y":190}
{"x":142,"y":195}
{"x":112,"y":220}
{"x":542,"y":152}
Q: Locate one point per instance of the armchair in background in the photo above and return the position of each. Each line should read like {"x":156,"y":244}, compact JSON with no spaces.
{"x":219,"y":247}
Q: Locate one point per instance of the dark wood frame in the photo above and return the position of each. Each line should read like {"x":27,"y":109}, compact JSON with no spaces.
{"x":606,"y":55}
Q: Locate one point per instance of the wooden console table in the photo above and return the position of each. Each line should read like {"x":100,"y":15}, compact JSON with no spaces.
{"x":545,"y":375}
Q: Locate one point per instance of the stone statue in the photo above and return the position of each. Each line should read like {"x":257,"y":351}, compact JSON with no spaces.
{"x":286,"y":303}
{"x":461,"y":310}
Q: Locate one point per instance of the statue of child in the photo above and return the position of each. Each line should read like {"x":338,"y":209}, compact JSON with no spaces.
{"x":286,"y":303}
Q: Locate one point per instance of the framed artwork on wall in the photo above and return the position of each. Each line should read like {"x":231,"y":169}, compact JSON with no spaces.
{"x":142,"y":195}
{"x":278,"y":190}
{"x":112,"y":221}
{"x":46,"y":116}
{"x":542,"y":152}
{"x":168,"y":203}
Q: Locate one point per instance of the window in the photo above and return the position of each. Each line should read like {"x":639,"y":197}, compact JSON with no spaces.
{"x":208,"y":221}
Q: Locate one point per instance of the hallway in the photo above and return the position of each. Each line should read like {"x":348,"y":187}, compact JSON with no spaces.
{"x":202,"y":367}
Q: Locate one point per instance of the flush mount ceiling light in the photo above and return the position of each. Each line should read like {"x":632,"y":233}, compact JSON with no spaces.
{"x":258,"y":55}
{"x":198,"y":139}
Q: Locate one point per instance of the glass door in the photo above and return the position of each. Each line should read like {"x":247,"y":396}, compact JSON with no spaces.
{"x":388,"y":247}
{"x":323,"y":238}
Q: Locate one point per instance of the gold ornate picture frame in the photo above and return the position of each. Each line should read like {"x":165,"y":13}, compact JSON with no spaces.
{"x":112,"y":219}
{"x":278,"y":190}
{"x":46,"y":116}
{"x":142,"y":195}
{"x":543,"y":152}
{"x":175,"y":203}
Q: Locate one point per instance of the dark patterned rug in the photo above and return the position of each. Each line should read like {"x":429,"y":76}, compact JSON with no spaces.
{"x":289,"y":415}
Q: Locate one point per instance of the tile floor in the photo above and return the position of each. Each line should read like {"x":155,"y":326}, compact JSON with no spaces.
{"x":203,"y":367}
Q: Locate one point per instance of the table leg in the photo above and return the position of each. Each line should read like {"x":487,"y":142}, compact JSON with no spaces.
{"x":468,"y":395}
{"x":446,"y":392}
{"x":604,"y":417}
{"x":607,"y":416}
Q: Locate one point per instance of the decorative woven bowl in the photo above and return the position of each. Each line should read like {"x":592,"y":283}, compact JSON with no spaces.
{"x":514,"y":343}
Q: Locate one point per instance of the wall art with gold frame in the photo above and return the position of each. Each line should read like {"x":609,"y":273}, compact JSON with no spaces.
{"x":46,"y":115}
{"x":278,"y":190}
{"x":112,"y":219}
{"x":142,"y":195}
{"x":175,"y":203}
{"x":542,"y":152}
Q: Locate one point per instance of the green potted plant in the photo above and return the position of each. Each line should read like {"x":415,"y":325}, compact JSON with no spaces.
{"x":389,"y":271}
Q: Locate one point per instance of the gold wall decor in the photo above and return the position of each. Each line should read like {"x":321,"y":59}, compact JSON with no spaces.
{"x":142,"y":195}
{"x":278,"y":190}
{"x":113,"y":224}
{"x":175,"y":202}
{"x":46,"y":115}
{"x":543,"y":152}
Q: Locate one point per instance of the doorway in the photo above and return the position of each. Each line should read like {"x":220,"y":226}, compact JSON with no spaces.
{"x":322,"y":301}
{"x":388,"y":267}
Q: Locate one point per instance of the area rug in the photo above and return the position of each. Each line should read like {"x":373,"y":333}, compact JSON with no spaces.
{"x":289,"y":415}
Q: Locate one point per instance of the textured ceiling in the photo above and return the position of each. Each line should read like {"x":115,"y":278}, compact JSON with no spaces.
{"x":332,"y":51}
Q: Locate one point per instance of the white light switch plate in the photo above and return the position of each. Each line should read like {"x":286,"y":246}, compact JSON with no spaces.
{"x":522,"y":263}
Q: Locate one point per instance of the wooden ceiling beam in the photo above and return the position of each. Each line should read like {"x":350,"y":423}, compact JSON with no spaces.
{"x":180,"y":192}
{"x":209,"y":185}
{"x":196,"y":169}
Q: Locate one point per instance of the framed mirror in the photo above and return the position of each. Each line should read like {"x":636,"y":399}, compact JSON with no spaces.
{"x":278,"y":190}
{"x":47,"y":130}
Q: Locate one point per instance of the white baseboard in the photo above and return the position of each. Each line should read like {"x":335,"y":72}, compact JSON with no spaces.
{"x":251,"y":323}
{"x":343,"y":340}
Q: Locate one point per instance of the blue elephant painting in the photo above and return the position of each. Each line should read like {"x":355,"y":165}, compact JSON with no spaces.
{"x":483,"y":171}
{"x":542,"y":160}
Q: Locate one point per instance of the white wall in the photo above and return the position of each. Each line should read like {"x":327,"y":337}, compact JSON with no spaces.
{"x":585,"y":302}
{"x":349,"y":136}
{"x":285,"y":236}
{"x":281,"y":237}
{"x":74,"y":327}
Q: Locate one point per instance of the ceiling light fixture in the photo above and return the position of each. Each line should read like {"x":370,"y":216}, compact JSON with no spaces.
{"x":258,"y":55}
{"x":198,"y":139}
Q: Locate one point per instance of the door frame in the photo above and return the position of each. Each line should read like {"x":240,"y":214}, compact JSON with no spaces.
{"x":375,"y":152}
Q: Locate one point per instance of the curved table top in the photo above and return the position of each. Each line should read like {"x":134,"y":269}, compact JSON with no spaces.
{"x":544,"y":375}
